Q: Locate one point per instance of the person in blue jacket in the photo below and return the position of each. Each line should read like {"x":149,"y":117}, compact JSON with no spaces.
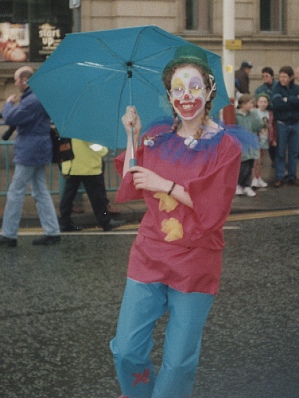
{"x":32,"y":151}
{"x":285,"y":103}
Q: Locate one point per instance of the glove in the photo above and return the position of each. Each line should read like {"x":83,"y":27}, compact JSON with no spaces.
{"x":8,"y":133}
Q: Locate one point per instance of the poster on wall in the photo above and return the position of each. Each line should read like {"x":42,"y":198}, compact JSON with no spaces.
{"x":14,"y":42}
{"x":32,"y":42}
{"x":44,"y":39}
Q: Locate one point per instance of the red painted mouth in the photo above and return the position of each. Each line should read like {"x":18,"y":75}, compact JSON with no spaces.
{"x":188,"y":109}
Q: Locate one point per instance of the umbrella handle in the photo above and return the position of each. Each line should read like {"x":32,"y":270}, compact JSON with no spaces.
{"x":132,"y":162}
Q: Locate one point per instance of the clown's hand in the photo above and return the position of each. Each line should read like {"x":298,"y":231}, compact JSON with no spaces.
{"x":131,"y":121}
{"x":149,"y":180}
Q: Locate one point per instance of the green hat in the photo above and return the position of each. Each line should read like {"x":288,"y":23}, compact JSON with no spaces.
{"x":263,"y":95}
{"x":189,"y":54}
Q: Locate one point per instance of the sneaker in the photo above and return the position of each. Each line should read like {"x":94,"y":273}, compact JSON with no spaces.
{"x":255,"y":183}
{"x":8,"y":242}
{"x":47,"y":240}
{"x":112,"y":224}
{"x":239,"y":190}
{"x":249,"y":192}
{"x":262,"y":183}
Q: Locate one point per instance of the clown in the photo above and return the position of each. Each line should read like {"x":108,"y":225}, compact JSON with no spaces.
{"x":187,"y":174}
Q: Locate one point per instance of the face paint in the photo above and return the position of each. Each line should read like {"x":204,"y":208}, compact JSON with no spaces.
{"x":195,"y":87}
{"x":188,"y":110}
{"x":187,"y":92}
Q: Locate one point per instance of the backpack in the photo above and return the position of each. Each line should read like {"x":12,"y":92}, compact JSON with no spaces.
{"x":61,"y":147}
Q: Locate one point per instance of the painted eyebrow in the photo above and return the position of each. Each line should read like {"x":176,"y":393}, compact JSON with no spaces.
{"x":197,"y":80}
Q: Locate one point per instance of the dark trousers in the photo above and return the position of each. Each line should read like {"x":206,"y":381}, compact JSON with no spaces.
{"x":95,"y":188}
{"x":272,"y":153}
{"x":245,"y":173}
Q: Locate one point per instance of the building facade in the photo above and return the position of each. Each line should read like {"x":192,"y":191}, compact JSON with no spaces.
{"x":268,"y":29}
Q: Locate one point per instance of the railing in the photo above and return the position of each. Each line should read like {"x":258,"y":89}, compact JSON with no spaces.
{"x":54,"y":177}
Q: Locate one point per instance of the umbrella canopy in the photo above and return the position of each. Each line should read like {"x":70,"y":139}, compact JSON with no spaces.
{"x":90,"y":79}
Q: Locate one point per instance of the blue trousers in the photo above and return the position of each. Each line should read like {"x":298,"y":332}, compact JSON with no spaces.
{"x":142,"y":305}
{"x":288,"y":141}
{"x":36,"y":177}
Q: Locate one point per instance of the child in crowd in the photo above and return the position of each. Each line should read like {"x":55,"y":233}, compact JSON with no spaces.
{"x":268,"y":134}
{"x":246,"y":115}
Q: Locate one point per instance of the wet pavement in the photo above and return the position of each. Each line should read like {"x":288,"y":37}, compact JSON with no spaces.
{"x":59,"y":306}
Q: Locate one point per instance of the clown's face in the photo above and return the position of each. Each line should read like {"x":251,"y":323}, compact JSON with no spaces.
{"x":188,"y":92}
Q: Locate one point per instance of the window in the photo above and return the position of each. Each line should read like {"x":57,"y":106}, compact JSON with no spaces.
{"x":38,"y":11}
{"x":198,"y":15}
{"x":5,"y":10}
{"x":271,"y":15}
{"x":30,"y":30}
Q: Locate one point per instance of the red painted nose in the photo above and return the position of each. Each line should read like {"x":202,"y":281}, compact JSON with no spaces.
{"x":186,"y":96}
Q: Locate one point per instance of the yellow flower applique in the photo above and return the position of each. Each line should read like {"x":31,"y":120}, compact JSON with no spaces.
{"x":167,"y":202}
{"x":173,"y":228}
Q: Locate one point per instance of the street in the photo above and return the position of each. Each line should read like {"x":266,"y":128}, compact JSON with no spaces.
{"x":59,"y":308}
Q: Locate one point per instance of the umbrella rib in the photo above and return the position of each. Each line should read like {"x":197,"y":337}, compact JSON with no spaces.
{"x":80,"y":96}
{"x":148,"y":69}
{"x":138,"y":38}
{"x":156,"y":55}
{"x":152,"y":56}
{"x":99,"y":66}
{"x":113,"y":53}
{"x":141,"y":78}
{"x":118,"y":107}
{"x":136,"y":45}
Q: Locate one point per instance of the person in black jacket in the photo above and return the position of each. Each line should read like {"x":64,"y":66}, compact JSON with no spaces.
{"x":242,"y":77}
{"x":285,"y":102}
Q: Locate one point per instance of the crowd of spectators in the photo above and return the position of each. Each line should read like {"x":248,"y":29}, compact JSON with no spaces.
{"x":271,"y":112}
{"x":276,"y":103}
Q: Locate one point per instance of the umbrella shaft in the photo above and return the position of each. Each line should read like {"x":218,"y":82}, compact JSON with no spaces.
{"x":132,"y":145}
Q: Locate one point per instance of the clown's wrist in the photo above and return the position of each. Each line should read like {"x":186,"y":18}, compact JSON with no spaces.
{"x":171,"y":188}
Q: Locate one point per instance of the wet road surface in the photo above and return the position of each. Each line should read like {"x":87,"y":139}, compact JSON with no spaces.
{"x":59,"y":308}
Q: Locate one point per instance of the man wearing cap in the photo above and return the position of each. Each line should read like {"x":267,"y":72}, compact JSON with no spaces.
{"x":242,"y":76}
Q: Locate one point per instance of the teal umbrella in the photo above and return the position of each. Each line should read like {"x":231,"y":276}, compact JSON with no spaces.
{"x":90,"y":79}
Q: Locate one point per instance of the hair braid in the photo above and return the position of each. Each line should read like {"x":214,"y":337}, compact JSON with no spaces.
{"x":176,"y":121}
